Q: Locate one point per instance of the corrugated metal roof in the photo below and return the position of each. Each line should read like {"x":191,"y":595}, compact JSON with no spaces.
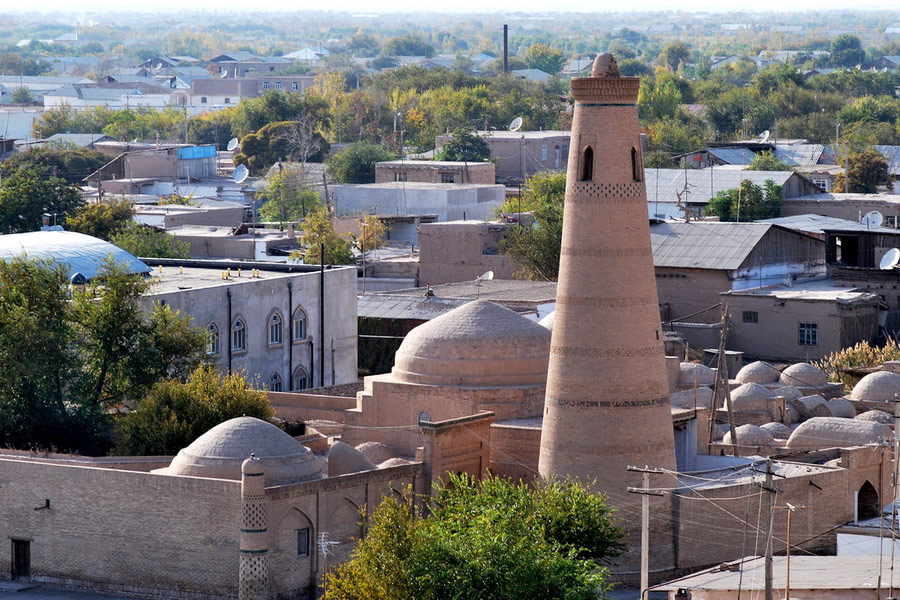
{"x":818,"y":224}
{"x":380,"y":306}
{"x":733,"y":156}
{"x":704,"y":245}
{"x":663,"y":185}
{"x":78,"y":252}
{"x":799,"y":155}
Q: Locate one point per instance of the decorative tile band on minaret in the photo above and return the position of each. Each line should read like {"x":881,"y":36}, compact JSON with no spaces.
{"x":253,"y":582}
{"x":606,"y":404}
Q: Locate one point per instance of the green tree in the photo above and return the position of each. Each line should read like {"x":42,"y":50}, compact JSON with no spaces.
{"x":287,"y":198}
{"x":407,"y":45}
{"x":26,"y":195}
{"x":102,"y":219}
{"x":535,"y":249}
{"x":317,"y":230}
{"x":673,"y":55}
{"x":465,"y":145}
{"x":363,"y":44}
{"x":276,"y":106}
{"x":70,"y":165}
{"x":21,"y":95}
{"x":175,"y":413}
{"x":867,"y":170}
{"x":147,"y":242}
{"x":284,"y":140}
{"x":658,"y":100}
{"x":766,"y":161}
{"x":371,"y":233}
{"x":847,"y":51}
{"x":750,"y":202}
{"x":64,"y":362}
{"x":356,"y":162}
{"x":491,"y":539}
{"x":547,"y":59}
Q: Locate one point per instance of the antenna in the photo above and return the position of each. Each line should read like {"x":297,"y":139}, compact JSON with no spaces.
{"x":890,"y":259}
{"x":764,"y":136}
{"x":872,"y":219}
{"x":479,"y":281}
{"x":232,"y":144}
{"x":515,"y":124}
{"x":241,"y":173}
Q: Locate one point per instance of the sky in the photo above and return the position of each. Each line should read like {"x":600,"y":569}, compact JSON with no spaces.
{"x":480,"y":6}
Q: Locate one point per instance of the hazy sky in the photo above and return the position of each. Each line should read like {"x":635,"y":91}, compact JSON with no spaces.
{"x":455,"y":6}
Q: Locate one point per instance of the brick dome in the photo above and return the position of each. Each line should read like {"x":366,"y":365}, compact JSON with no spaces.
{"x":758,"y":372}
{"x":882,"y":386}
{"x":479,"y":344}
{"x":750,"y":397}
{"x":695,"y":373}
{"x":219,"y":452}
{"x":804,"y":375}
{"x":835,"y":432}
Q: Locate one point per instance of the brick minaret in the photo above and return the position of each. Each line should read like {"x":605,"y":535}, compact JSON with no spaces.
{"x":607,"y":403}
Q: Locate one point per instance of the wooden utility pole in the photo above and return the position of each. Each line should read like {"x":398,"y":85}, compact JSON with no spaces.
{"x":645,"y":493}
{"x":722,"y":391}
{"x":770,"y":515}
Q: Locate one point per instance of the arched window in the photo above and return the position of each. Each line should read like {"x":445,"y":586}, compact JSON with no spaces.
{"x":276,"y":329}
{"x":238,"y":336}
{"x":212,"y":343}
{"x":275,"y":382}
{"x":867,"y":502}
{"x":299,"y":327}
{"x":635,"y":167}
{"x":587,"y":165}
{"x":301,"y":381}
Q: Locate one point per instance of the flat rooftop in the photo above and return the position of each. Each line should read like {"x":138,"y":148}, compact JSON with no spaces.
{"x":501,"y":290}
{"x":518,"y":135}
{"x":813,"y":291}
{"x":430,"y":163}
{"x":713,"y":472}
{"x":228,"y":232}
{"x":416,"y":185}
{"x":833,"y":197}
{"x":807,"y":573}
{"x":171,"y":277}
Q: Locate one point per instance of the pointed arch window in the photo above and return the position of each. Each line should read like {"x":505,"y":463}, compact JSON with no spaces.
{"x":276,"y":384}
{"x":301,"y":380}
{"x":635,"y":165}
{"x":276,"y":329}
{"x":587,"y":164}
{"x":212,"y":344}
{"x":238,"y":336}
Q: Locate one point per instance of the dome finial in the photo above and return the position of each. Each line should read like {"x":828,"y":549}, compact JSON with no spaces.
{"x":605,"y":66}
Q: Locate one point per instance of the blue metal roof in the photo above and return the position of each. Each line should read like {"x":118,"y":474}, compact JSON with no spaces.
{"x":79,"y":253}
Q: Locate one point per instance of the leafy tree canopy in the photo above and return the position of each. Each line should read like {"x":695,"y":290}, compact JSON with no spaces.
{"x":867,"y":170}
{"x":407,"y":45}
{"x":286,"y":197}
{"x":356,"y":162}
{"x":317,"y":230}
{"x":536,"y":248}
{"x":750,"y":202}
{"x":766,"y":161}
{"x":147,"y":242}
{"x":176,"y":413}
{"x":490,"y":539}
{"x":284,"y":140}
{"x":547,"y":59}
{"x":27,"y":194}
{"x":70,"y":165}
{"x":465,"y":145}
{"x":102,"y":219}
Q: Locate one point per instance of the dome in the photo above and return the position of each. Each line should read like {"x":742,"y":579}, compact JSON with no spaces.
{"x":831,"y":432}
{"x":479,"y":344}
{"x":701,"y":396}
{"x":804,"y":375}
{"x":882,"y":386}
{"x":750,"y":397}
{"x":393,"y":462}
{"x":788,"y":392}
{"x":758,"y":372}
{"x":841,"y":407}
{"x":376,"y":452}
{"x":696,"y":373}
{"x":219,"y":452}
{"x":750,"y":435}
{"x":878,"y":416}
{"x":548,"y":320}
{"x":811,"y":406}
{"x":778,"y":430}
{"x":344,"y":458}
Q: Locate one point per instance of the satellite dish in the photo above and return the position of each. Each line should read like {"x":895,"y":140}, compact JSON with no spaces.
{"x":872,"y":219}
{"x":764,"y":136}
{"x":158,"y":66}
{"x":890,"y":259}
{"x":516,"y":124}
{"x":486,"y":276}
{"x":241,"y":173}
{"x":232,"y":144}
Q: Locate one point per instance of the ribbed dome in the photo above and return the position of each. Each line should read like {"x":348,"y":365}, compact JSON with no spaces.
{"x":750,"y":397}
{"x":779,"y":430}
{"x":219,"y":452}
{"x":758,"y":372}
{"x":750,"y":435}
{"x":804,"y":375}
{"x":878,"y":416}
{"x":834,"y":432}
{"x":479,"y":344}
{"x":882,"y":386}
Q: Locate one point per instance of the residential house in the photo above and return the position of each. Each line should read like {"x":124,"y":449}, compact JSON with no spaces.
{"x":851,"y":207}
{"x":37,"y":86}
{"x":435,"y":171}
{"x":214,"y":94}
{"x":455,"y":251}
{"x":449,"y":201}
{"x":113,"y":95}
{"x":521,"y":154}
{"x":242,"y":64}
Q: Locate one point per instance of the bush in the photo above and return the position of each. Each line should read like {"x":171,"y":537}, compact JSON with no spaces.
{"x":175,"y":414}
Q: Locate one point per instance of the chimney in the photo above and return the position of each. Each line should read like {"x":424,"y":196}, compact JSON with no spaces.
{"x":506,"y":48}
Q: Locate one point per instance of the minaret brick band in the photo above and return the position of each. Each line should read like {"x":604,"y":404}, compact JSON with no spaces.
{"x":607,"y":404}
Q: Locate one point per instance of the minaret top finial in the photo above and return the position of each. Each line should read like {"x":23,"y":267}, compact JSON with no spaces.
{"x":605,"y":66}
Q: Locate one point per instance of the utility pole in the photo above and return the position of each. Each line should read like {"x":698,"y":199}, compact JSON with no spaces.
{"x":722,"y":389}
{"x":645,"y":493}
{"x":770,"y":512}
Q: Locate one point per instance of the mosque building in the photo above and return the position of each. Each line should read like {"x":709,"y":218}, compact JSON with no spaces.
{"x":248,"y":511}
